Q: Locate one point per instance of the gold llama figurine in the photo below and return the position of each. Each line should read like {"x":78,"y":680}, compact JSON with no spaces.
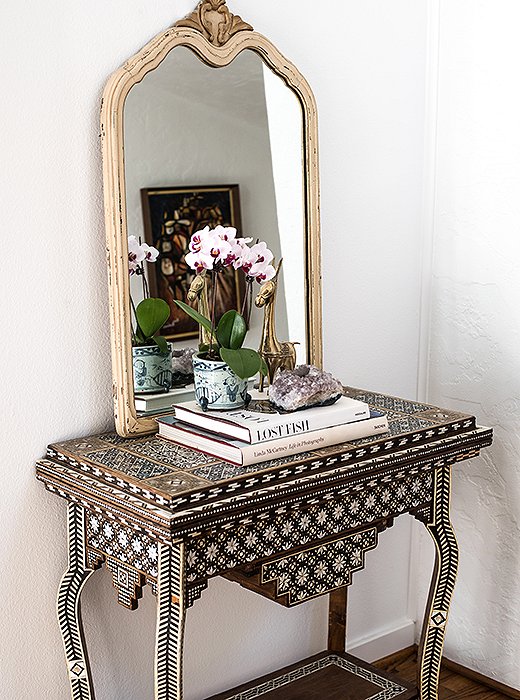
{"x":198,"y":292}
{"x":276,"y":354}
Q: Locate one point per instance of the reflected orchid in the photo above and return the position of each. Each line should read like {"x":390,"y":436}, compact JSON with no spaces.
{"x":213,"y":249}
{"x":197,"y":240}
{"x":199,"y":261}
{"x":150,"y":253}
{"x":256,"y":262}
{"x":218,"y":248}
{"x":151,"y":313}
{"x":138,"y":253}
{"x":135,"y":254}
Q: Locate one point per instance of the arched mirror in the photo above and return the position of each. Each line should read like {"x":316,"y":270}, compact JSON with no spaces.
{"x":208,"y":125}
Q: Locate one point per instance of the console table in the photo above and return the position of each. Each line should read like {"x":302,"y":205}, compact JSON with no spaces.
{"x":291,"y":529}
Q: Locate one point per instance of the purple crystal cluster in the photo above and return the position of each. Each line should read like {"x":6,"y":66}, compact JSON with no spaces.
{"x":182,"y":367}
{"x":182,"y":360}
{"x":304,"y":387}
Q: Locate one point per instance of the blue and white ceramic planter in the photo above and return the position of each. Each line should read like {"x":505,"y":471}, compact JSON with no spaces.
{"x":217,"y":387}
{"x":152,"y":369}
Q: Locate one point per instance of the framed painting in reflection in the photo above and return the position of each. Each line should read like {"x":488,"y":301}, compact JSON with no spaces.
{"x":171,"y":215}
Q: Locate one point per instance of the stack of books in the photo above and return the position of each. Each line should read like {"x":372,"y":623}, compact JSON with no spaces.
{"x":248,"y":436}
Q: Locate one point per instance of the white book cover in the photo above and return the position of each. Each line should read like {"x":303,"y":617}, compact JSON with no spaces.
{"x":243,"y":454}
{"x":260,"y":422}
{"x":164,"y":399}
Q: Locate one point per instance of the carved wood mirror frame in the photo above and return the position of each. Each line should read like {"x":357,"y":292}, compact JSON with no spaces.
{"x":216,"y":37}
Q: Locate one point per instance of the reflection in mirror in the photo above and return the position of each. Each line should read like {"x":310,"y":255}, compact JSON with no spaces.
{"x":216,"y":146}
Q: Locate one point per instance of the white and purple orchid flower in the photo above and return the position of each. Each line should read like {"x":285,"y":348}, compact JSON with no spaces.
{"x":256,"y":262}
{"x":215,"y":249}
{"x":138,"y":253}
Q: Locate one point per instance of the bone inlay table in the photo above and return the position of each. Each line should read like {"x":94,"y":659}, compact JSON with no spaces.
{"x":291,"y":529}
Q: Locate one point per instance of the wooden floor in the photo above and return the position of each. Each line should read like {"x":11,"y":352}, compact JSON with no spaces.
{"x":452,"y":686}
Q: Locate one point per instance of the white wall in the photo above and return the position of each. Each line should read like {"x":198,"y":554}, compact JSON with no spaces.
{"x":368,"y":79}
{"x":475,"y":322}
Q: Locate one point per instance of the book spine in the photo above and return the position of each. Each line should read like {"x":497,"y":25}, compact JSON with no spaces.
{"x":317,"y":439}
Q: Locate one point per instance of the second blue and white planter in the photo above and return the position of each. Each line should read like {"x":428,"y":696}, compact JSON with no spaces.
{"x":152,"y":369}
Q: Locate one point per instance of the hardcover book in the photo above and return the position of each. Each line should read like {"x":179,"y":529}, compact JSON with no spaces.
{"x":244,"y":454}
{"x":164,"y":400}
{"x":260,"y":422}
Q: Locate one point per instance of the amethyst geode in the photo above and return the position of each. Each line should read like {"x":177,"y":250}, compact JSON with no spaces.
{"x":304,"y":386}
{"x":182,"y":367}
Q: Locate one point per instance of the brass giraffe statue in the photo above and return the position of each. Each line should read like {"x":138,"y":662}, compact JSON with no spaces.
{"x":276,"y":354}
{"x":198,"y":292}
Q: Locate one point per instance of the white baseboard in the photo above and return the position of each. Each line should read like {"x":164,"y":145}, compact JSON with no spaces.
{"x":383,"y":642}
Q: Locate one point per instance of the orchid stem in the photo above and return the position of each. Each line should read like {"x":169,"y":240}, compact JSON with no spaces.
{"x":244,"y":302}
{"x":250,"y":305}
{"x":134,"y":334}
{"x":213,"y":303}
{"x":146,"y":291}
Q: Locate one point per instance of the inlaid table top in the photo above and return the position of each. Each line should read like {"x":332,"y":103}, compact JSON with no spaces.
{"x":175,"y":477}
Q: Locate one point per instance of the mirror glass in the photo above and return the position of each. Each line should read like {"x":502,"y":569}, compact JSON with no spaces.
{"x":208,"y":146}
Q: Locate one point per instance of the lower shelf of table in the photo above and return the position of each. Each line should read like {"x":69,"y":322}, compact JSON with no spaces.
{"x":329,"y":675}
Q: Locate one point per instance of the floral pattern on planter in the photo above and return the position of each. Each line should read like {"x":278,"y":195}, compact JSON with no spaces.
{"x":152,"y":369}
{"x":217,"y":387}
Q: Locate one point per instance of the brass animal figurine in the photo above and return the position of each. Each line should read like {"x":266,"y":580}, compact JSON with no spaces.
{"x":198,"y":292}
{"x":276,"y":354}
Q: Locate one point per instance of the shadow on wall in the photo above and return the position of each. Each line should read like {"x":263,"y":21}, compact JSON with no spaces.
{"x":242,"y":636}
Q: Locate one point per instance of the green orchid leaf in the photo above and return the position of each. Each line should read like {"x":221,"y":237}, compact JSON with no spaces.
{"x":231,"y":330}
{"x":162,"y":343}
{"x":139,"y":337}
{"x":244,"y":362}
{"x":151,"y":316}
{"x":199,"y":318}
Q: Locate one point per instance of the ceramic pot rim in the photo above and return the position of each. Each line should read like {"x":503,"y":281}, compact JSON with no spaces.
{"x":151,"y":347}
{"x":197,"y":356}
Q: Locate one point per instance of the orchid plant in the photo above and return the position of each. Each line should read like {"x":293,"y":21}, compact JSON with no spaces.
{"x":150,"y":314}
{"x":214,"y":250}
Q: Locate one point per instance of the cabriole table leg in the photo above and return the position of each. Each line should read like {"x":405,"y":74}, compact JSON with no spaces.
{"x":69,"y":611}
{"x":441,"y":589}
{"x":171,"y":612}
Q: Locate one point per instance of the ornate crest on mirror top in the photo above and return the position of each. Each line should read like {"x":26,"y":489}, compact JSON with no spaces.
{"x":217,"y":37}
{"x":214,"y":20}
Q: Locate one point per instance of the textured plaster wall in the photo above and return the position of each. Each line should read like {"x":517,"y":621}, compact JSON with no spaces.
{"x":368,"y":78}
{"x":475,"y":323}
